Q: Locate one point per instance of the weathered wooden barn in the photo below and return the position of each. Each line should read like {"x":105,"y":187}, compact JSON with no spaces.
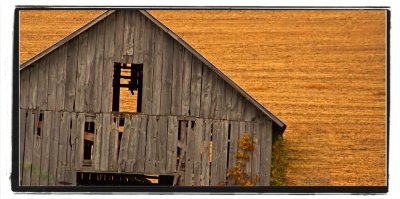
{"x":184,"y":129}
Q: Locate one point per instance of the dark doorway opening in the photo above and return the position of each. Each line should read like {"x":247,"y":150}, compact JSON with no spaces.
{"x":94,"y":178}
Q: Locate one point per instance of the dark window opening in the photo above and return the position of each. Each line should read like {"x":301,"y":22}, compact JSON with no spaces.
{"x":89,"y":178}
{"x":127,"y":76}
{"x":39,"y":125}
{"x":88,"y":143}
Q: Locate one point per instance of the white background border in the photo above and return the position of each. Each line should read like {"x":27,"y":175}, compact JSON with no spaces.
{"x":6,"y":53}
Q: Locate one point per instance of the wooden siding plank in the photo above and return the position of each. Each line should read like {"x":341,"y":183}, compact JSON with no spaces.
{"x":172,"y":141}
{"x":124,"y":147}
{"x":233,"y":147}
{"x":73,"y":139}
{"x":80,"y":129}
{"x":36,"y":153}
{"x":22,"y":127}
{"x":214,"y":95}
{"x":98,"y":134}
{"x":206,"y":86}
{"x":42,"y":97}
{"x":62,"y":147}
{"x":255,"y":162}
{"x":186,"y":82}
{"x":108,"y":63}
{"x":216,"y":139}
{"x":61,"y":78}
{"x":190,"y":153}
{"x":33,"y":78}
{"x":177,"y":68}
{"x":129,"y":32}
{"x":198,"y":151}
{"x":82,"y":71}
{"x":148,"y":68}
{"x":249,"y":131}
{"x":221,"y":103}
{"x":162,"y":137}
{"x":44,"y":162}
{"x":151,"y":145}
{"x":71,"y":74}
{"x":141,"y":153}
{"x":166,"y":86}
{"x":182,"y":143}
{"x":195,"y":87}
{"x":228,"y":101}
{"x":114,"y":134}
{"x":52,"y":63}
{"x":133,"y":144}
{"x":241,"y":107}
{"x":224,"y":152}
{"x":119,"y":35}
{"x":54,"y":137}
{"x":139,"y":34}
{"x":266,"y":152}
{"x":99,"y":64}
{"x":90,"y":70}
{"x":24,"y":89}
{"x":157,"y":74}
{"x":205,"y":161}
{"x":29,"y":130}
{"x":70,"y":175}
{"x":234,"y":114}
{"x":105,"y":141}
{"x":249,"y":112}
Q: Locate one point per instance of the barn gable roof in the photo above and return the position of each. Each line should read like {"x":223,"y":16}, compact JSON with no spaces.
{"x":29,"y":62}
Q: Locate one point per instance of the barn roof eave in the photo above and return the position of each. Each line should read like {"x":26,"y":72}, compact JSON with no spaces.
{"x":177,"y":38}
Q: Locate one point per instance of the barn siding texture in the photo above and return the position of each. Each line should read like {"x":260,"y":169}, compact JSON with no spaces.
{"x":74,"y":83}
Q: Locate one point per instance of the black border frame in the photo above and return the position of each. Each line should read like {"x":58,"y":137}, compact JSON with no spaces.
{"x":210,"y":189}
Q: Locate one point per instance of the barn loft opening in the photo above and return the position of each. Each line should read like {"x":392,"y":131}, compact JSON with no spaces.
{"x":127,"y":87}
{"x":120,"y":179}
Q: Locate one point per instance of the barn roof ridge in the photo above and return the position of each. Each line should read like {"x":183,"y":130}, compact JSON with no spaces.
{"x":173,"y":35}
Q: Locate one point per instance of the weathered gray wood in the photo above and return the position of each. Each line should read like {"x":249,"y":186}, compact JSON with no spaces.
{"x":172,"y":141}
{"x":166,"y":87}
{"x":198,"y":149}
{"x":37,"y":148}
{"x":98,"y":135}
{"x":99,"y":64}
{"x":186,"y":82}
{"x":157,"y":73}
{"x":69,"y":174}
{"x":80,"y":129}
{"x":249,"y":131}
{"x":190,"y":153}
{"x":138,"y":37}
{"x":133,"y":144}
{"x":206,"y":85}
{"x":249,"y":112}
{"x":71,"y":73}
{"x":124,"y":147}
{"x":105,"y":135}
{"x":162,"y":137}
{"x":33,"y":78}
{"x":22,"y":126}
{"x":141,"y":153}
{"x":44,"y":162}
{"x":82,"y":71}
{"x":119,"y":35}
{"x":62,"y":147}
{"x":113,"y":155}
{"x":52,"y":63}
{"x":24,"y":89}
{"x":90,"y":70}
{"x":214,"y":95}
{"x":177,"y":74}
{"x":129,"y":32}
{"x":61,"y":75}
{"x":148,"y":68}
{"x":108,"y":63}
{"x":27,"y":167}
{"x":205,"y":160}
{"x":54,"y":137}
{"x":265,"y":152}
{"x":42,"y":83}
{"x":216,"y":139}
{"x":224,"y":152}
{"x":221,"y":101}
{"x":255,"y":162}
{"x":233,"y":147}
{"x":234,"y":114}
{"x":182,"y":143}
{"x":151,"y":145}
{"x":228,"y":101}
{"x":195,"y":87}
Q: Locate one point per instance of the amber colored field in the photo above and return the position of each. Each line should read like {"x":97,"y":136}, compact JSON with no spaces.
{"x":321,"y":72}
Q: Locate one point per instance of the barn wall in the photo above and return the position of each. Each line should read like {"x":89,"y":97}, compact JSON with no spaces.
{"x":52,"y":146}
{"x":74,"y":83}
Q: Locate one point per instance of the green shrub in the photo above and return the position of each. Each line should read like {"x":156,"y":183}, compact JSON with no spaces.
{"x":279,"y":163}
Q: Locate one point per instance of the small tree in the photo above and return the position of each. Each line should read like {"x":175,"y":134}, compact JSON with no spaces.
{"x":238,"y":173}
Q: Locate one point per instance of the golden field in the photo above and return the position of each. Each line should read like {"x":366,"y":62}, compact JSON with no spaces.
{"x":322,"y":72}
